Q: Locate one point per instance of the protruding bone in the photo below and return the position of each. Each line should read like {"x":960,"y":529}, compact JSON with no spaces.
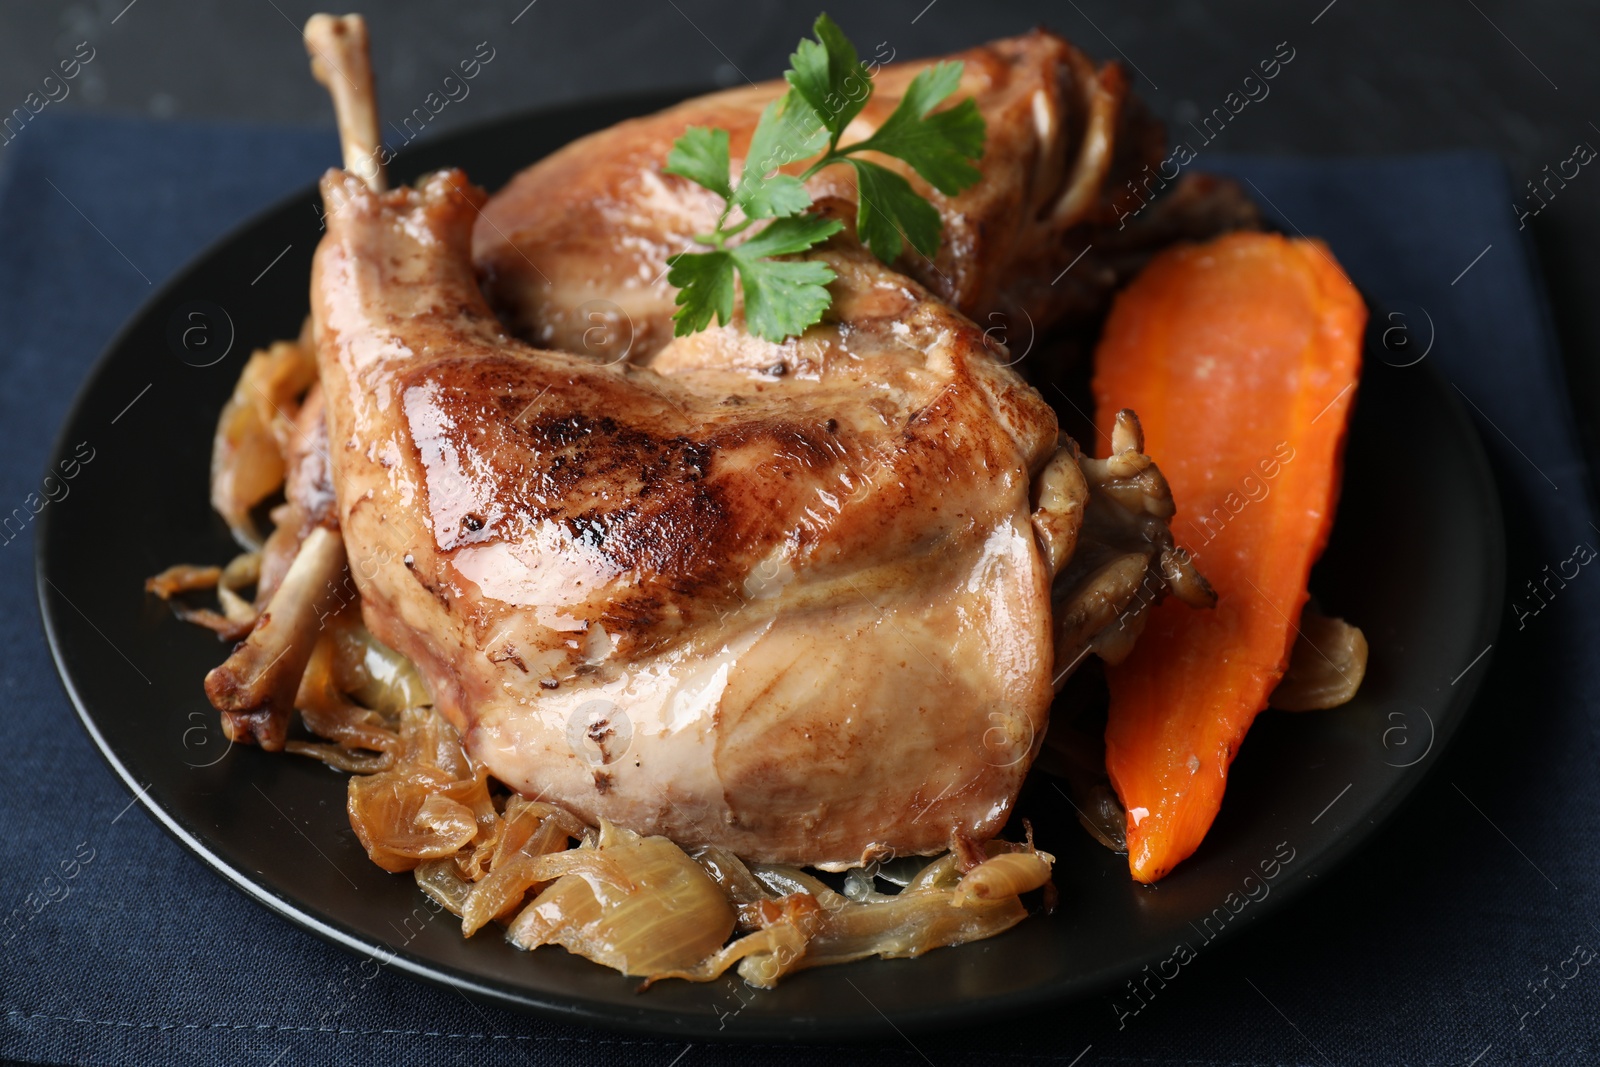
{"x":340,"y":60}
{"x":255,"y":688}
{"x":1060,"y":494}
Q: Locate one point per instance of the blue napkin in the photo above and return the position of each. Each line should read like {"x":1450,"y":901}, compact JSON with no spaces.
{"x":1456,"y":934}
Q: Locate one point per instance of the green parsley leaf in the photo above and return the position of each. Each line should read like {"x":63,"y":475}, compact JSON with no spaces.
{"x":790,"y":130}
{"x":783,"y":296}
{"x":937,"y":146}
{"x":828,"y":87}
{"x":830,"y":76}
{"x":705,"y":287}
{"x":887,"y":208}
{"x":788,"y":236}
{"x":701,"y":155}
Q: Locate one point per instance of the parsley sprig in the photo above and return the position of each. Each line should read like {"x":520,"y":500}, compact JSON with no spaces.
{"x":828,"y":87}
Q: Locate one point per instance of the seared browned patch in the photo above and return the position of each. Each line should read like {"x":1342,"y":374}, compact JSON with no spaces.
{"x":679,"y":513}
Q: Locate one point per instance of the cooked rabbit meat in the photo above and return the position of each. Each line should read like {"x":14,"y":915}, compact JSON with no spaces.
{"x":579,"y":241}
{"x":795,"y":597}
{"x":799,"y":581}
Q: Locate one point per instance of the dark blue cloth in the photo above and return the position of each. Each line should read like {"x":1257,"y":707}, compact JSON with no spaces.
{"x":1424,"y":949}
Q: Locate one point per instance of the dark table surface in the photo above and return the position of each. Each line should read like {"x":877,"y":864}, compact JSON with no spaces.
{"x":1517,"y":81}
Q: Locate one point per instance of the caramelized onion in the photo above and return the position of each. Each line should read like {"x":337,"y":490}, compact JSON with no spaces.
{"x":429,"y":806}
{"x":731,"y":875}
{"x":328,"y":713}
{"x":440,"y":880}
{"x":242,"y":572}
{"x":247,"y":463}
{"x":1007,"y":875}
{"x":516,"y":868}
{"x":375,"y":675}
{"x":671,"y":918}
{"x":231,"y":625}
{"x":340,"y":758}
{"x":1326,"y":666}
{"x":806,"y":924}
{"x":386,"y":811}
{"x":182,"y":578}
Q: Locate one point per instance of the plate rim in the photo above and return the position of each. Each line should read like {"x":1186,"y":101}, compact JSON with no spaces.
{"x":667,"y":1022}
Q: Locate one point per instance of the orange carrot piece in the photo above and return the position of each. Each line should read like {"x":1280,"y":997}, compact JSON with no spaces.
{"x":1240,"y":357}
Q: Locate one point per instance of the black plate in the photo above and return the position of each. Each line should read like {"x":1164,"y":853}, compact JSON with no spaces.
{"x":1417,"y":562}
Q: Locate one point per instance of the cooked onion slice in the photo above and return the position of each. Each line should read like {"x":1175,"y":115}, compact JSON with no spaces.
{"x":669,"y":917}
{"x":530,"y":832}
{"x":441,"y":881}
{"x":1326,"y":666}
{"x":1009,"y":874}
{"x":182,"y":578}
{"x":237,"y":616}
{"x":404,"y":817}
{"x":429,"y":806}
{"x":805,"y":924}
{"x":247,"y":463}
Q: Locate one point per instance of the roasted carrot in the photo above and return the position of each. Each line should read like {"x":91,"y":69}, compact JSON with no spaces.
{"x":1240,"y":357}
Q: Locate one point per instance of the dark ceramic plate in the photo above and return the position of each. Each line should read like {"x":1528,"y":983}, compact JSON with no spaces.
{"x":1417,"y":562}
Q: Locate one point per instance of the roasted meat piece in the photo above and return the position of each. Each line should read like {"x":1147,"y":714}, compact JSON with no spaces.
{"x":805,"y":601}
{"x":575,"y":247}
{"x":787,"y":599}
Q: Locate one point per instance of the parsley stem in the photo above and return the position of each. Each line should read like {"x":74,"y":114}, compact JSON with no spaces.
{"x":833,"y":156}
